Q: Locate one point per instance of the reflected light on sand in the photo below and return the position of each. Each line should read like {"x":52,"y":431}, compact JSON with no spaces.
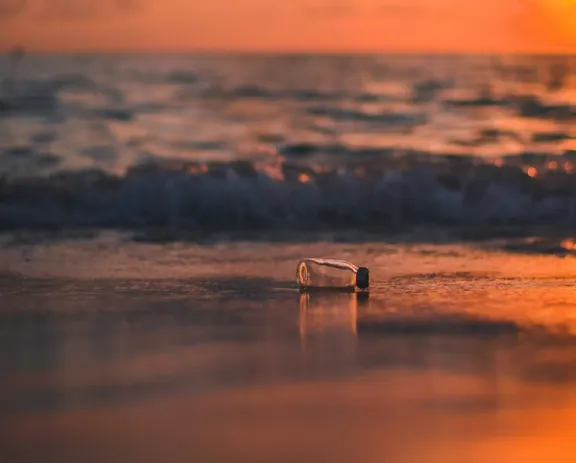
{"x":335,"y":313}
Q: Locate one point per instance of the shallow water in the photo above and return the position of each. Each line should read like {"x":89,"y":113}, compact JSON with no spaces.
{"x":120,"y":350}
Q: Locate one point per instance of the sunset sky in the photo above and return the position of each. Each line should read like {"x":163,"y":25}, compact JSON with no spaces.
{"x":295,"y":25}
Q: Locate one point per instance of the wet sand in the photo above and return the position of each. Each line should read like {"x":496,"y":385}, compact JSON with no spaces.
{"x":133,"y":352}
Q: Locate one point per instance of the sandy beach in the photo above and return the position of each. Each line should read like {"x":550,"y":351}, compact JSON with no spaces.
{"x":182,"y":351}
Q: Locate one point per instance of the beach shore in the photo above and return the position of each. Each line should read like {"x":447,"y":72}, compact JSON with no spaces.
{"x":117,"y":350}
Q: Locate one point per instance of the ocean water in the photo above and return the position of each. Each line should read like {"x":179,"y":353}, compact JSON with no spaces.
{"x":153,"y":210}
{"x":241,"y":142}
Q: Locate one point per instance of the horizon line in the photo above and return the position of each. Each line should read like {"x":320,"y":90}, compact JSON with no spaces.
{"x":222,"y":51}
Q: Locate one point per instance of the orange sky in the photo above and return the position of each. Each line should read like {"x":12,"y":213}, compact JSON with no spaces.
{"x":294,"y":25}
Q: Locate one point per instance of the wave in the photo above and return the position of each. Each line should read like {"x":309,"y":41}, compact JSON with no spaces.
{"x":258,"y":92}
{"x":532,"y":107}
{"x":24,"y":160}
{"x":182,"y":77}
{"x":43,"y":96}
{"x":348,"y":115}
{"x":116,"y":114}
{"x":288,"y":194}
{"x":29,"y":97}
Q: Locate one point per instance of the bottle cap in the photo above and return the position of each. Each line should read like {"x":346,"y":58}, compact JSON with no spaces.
{"x":363,"y":278}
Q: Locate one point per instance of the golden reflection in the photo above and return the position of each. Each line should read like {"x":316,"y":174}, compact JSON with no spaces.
{"x":319,"y":169}
{"x":552,"y":165}
{"x":304,"y":178}
{"x":274,"y":171}
{"x":568,"y":244}
{"x":322,"y":312}
{"x":198,"y":169}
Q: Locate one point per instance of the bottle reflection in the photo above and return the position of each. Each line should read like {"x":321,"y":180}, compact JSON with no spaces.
{"x":330,"y":313}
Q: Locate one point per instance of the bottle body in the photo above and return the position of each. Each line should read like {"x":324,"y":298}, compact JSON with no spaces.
{"x":314,"y":273}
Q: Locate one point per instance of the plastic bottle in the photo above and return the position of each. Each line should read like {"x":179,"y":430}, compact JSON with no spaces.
{"x":331,"y":274}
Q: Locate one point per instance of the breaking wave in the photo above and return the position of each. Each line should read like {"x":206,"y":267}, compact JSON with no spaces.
{"x":283,"y":193}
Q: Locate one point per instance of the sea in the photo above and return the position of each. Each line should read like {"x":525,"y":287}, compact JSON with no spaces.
{"x":154,"y":207}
